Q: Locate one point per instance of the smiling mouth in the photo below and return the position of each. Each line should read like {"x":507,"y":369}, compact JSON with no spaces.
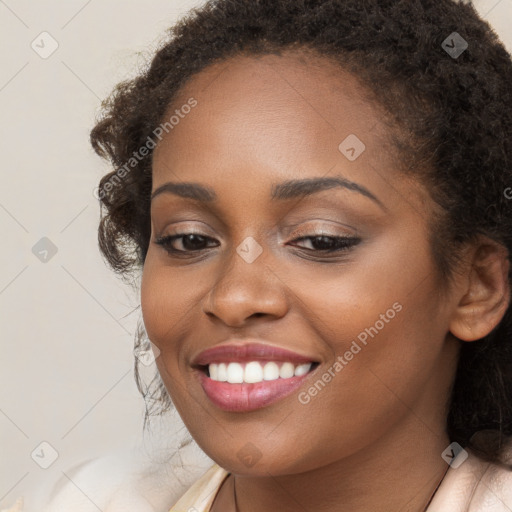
{"x":254,"y":384}
{"x":249,"y":374}
{"x":252,"y":372}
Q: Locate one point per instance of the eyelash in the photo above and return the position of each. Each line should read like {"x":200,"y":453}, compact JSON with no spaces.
{"x":341,"y":243}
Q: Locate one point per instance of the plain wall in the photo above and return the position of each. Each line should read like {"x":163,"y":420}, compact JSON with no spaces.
{"x":68,"y":323}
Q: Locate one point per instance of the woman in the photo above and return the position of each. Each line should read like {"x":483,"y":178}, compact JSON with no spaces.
{"x":317,"y":193}
{"x":323,"y":228}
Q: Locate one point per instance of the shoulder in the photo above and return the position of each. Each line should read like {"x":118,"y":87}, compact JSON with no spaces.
{"x":119,"y":482}
{"x":17,"y":507}
{"x":202,"y":493}
{"x":112,"y":484}
{"x":475,"y":485}
{"x":132,"y":482}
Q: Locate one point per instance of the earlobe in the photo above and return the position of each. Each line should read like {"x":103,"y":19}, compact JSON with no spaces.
{"x":485,"y":297}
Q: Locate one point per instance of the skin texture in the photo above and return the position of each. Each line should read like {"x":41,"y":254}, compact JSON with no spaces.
{"x":379,"y":425}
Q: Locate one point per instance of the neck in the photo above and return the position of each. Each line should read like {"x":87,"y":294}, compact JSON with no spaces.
{"x":400,"y":472}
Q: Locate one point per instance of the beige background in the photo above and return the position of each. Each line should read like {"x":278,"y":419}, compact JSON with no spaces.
{"x":67,"y":323}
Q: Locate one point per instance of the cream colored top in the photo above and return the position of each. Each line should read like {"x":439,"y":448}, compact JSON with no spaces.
{"x":474,"y":486}
{"x":471,"y":485}
{"x":200,"y":496}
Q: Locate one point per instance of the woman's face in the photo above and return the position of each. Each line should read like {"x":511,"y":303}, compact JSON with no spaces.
{"x":370,"y":314}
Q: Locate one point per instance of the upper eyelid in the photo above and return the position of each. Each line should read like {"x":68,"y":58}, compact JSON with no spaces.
{"x":300,"y":233}
{"x":318,"y":227}
{"x":302,"y":226}
{"x":185,"y":226}
{"x":290,"y":233}
{"x":197,"y":214}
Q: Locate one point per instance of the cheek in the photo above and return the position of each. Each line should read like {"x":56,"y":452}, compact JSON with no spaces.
{"x":154,"y":301}
{"x":384,"y":327}
{"x":371,"y":297}
{"x":167,"y":301}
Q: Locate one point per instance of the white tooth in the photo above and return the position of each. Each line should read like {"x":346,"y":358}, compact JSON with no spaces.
{"x":253,"y":372}
{"x":214,"y":371}
{"x":271,"y":371}
{"x":235,"y":373}
{"x":286,"y":371}
{"x":222,"y":375}
{"x":302,"y":369}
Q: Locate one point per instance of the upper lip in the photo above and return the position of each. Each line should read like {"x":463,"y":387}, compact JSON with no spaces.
{"x":245,"y":351}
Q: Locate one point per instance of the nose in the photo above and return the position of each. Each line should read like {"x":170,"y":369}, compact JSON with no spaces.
{"x":245,"y":291}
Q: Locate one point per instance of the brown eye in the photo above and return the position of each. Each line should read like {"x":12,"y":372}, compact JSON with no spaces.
{"x":189,"y":242}
{"x":323,"y":243}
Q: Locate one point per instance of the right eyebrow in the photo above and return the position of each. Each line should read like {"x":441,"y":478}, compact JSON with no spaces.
{"x":187,"y":190}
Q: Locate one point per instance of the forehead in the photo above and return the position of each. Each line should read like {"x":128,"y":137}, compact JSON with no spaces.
{"x":298,"y":94}
{"x":276,"y":117}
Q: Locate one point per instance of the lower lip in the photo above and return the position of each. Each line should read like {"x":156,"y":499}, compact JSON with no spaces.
{"x":248,"y":397}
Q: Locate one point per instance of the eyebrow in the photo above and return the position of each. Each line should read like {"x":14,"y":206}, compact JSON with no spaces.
{"x":280,"y":191}
{"x":305,"y":187}
{"x":187,"y":190}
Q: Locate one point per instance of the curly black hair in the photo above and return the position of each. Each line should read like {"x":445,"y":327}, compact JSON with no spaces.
{"x":452,"y":114}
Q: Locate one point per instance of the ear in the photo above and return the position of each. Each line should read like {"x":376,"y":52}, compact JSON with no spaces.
{"x":485,"y":291}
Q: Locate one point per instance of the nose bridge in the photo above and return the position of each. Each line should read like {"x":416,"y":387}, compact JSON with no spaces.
{"x":245,"y":286}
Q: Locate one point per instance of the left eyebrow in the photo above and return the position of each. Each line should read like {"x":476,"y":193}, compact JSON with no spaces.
{"x":308,"y":186}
